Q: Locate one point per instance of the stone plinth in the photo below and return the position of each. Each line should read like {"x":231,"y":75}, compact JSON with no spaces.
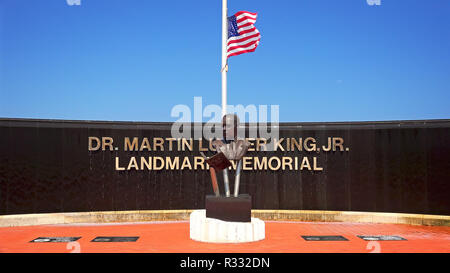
{"x":212,"y":230}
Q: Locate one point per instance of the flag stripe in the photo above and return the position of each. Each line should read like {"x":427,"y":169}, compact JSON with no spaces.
{"x":243,"y":44}
{"x":249,"y":30}
{"x":241,"y":14}
{"x":241,"y":37}
{"x":241,"y":52}
{"x":245,"y":25}
{"x":251,"y":27}
{"x":244,"y":41}
{"x":249,"y":46}
{"x":246,"y":22}
{"x":246,"y":19}
{"x":243,"y":11}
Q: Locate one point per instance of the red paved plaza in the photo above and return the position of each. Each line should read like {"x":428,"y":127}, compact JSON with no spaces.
{"x":281,"y":237}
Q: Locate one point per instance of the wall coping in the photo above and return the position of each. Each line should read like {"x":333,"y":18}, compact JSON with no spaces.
{"x":183,"y":215}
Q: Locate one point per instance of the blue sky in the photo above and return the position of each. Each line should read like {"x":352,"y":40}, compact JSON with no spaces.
{"x":319,"y":60}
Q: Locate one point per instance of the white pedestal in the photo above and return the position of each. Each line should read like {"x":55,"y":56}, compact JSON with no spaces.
{"x":216,"y":231}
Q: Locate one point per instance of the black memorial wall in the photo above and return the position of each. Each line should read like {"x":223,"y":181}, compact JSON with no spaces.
{"x":399,"y":166}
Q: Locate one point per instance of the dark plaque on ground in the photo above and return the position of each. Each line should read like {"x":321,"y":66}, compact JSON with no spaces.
{"x":381,"y":238}
{"x":55,"y":239}
{"x":324,"y":238}
{"x":115,"y":239}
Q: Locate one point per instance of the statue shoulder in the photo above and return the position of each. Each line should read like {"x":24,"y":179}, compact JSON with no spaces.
{"x":243,"y":142}
{"x":216,"y":143}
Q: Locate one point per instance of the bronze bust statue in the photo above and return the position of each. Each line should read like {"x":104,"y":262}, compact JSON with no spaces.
{"x":230,"y":148}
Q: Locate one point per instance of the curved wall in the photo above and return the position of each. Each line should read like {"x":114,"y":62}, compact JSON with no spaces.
{"x":401,"y":166}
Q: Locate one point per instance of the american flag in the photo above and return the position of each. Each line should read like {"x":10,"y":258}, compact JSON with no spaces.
{"x":243,"y":36}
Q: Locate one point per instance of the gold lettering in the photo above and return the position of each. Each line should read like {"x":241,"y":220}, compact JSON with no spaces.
{"x":186,"y":163}
{"x":328,"y":148}
{"x":298,"y":144}
{"x":131,"y":146}
{"x":199,"y":161}
{"x":170,"y":140}
{"x":287,"y":161}
{"x":200,"y":146}
{"x":107,"y":141}
{"x":278,"y":163}
{"x":145,"y":145}
{"x":251,"y":146}
{"x":315,"y":165}
{"x":246,"y":163}
{"x":147,"y":164}
{"x":187,"y":144}
{"x":172,"y":165}
{"x":305,"y":163}
{"x":261,"y":142}
{"x":133,"y":164}
{"x":260,"y":165}
{"x":277,"y":144}
{"x":158,"y":142}
{"x":97,"y":141}
{"x":118,"y":168}
{"x":311,"y":147}
{"x":233,"y":165}
{"x":338,"y":142}
{"x":155,"y":163}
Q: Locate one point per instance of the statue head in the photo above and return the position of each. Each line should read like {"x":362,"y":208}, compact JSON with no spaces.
{"x":230,"y":123}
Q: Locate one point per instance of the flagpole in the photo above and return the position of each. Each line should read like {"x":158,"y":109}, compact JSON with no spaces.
{"x":224,"y":56}
{"x":224,"y":80}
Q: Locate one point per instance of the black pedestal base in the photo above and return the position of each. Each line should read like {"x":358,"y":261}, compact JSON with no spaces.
{"x":232,"y":209}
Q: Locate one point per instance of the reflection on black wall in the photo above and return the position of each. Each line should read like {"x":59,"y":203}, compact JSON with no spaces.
{"x":45,"y":166}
